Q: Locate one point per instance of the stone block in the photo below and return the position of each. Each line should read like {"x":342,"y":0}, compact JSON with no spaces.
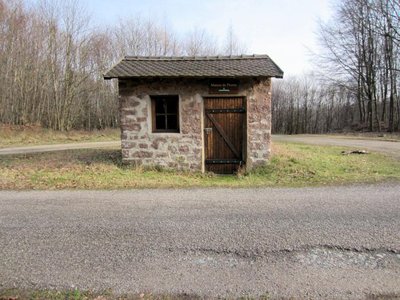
{"x":131,"y":127}
{"x":128,"y":144}
{"x":184,"y":149}
{"x":141,"y":154}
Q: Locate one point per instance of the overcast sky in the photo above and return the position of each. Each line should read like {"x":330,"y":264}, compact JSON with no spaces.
{"x":283,"y":29}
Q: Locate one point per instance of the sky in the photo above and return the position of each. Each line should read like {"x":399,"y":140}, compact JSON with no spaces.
{"x":283,"y":29}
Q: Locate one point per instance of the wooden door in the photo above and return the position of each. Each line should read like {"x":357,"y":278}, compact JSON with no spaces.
{"x":224,"y":127}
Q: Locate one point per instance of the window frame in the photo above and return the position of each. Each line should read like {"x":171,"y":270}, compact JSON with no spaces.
{"x":154,"y":115}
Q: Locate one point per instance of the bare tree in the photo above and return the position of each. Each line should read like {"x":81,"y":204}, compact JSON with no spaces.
{"x":199,"y":42}
{"x":52,"y":60}
{"x":360,"y":52}
{"x":307,"y":105}
{"x":233,"y":46}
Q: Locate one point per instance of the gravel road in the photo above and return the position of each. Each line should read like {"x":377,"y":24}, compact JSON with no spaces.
{"x":331,"y":242}
{"x":388,"y":147}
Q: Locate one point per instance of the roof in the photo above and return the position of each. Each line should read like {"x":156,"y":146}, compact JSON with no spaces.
{"x":195,"y":67}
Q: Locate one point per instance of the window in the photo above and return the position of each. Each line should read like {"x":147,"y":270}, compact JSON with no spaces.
{"x":165,"y":113}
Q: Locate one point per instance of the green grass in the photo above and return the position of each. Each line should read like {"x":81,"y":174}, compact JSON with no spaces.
{"x":14,"y":294}
{"x":45,"y":295}
{"x":13,"y":136}
{"x":292,"y":165}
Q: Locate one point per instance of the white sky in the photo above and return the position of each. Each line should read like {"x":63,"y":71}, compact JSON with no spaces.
{"x":283,"y":29}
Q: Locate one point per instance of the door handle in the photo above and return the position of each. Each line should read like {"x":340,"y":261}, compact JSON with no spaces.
{"x":207,"y":130}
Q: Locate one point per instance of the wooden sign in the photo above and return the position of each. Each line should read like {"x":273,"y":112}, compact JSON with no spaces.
{"x":224,"y":87}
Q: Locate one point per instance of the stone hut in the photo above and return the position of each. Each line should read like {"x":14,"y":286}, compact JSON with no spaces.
{"x":196,"y":113}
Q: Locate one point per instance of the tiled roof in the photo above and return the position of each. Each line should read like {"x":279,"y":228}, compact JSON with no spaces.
{"x":195,"y":67}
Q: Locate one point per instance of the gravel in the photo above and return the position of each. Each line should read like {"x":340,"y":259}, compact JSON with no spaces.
{"x":59,"y":147}
{"x":391,"y":148}
{"x":329,"y":242}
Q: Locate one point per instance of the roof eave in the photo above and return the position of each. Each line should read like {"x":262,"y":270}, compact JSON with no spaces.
{"x":109,"y":77}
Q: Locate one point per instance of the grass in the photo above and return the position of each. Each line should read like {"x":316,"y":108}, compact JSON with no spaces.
{"x":12,"y":136}
{"x":18,"y":294}
{"x":14,"y":294}
{"x":292,"y":165}
{"x":47,"y":294}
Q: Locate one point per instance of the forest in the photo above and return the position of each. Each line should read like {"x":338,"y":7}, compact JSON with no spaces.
{"x":52,"y":59}
{"x":355,"y":82}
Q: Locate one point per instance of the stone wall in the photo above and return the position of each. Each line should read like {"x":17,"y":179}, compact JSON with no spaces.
{"x":181,"y":151}
{"x":184,"y":150}
{"x":258,"y":123}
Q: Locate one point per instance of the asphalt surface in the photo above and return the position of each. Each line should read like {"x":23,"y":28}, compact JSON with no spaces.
{"x":331,"y":242}
{"x":391,"y":148}
{"x":58,"y":147}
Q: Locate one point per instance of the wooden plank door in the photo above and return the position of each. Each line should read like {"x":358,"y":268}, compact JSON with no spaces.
{"x":224,"y":134}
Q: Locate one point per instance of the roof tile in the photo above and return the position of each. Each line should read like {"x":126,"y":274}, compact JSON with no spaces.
{"x":195,"y":66}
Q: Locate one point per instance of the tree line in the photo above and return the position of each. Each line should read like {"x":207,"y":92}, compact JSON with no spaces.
{"x":306,"y":105}
{"x":52,"y":59}
{"x":355,"y":84}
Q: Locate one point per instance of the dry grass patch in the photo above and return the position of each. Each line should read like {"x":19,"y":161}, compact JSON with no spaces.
{"x":12,"y":136}
{"x":291,"y":165}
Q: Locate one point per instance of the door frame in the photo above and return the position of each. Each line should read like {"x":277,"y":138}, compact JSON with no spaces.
{"x":203,"y":112}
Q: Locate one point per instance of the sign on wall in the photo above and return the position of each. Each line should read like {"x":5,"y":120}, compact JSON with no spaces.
{"x":224,"y":86}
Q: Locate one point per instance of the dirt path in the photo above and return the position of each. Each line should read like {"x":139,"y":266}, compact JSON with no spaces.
{"x":58,"y":147}
{"x":387,"y":147}
{"x":308,"y":243}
